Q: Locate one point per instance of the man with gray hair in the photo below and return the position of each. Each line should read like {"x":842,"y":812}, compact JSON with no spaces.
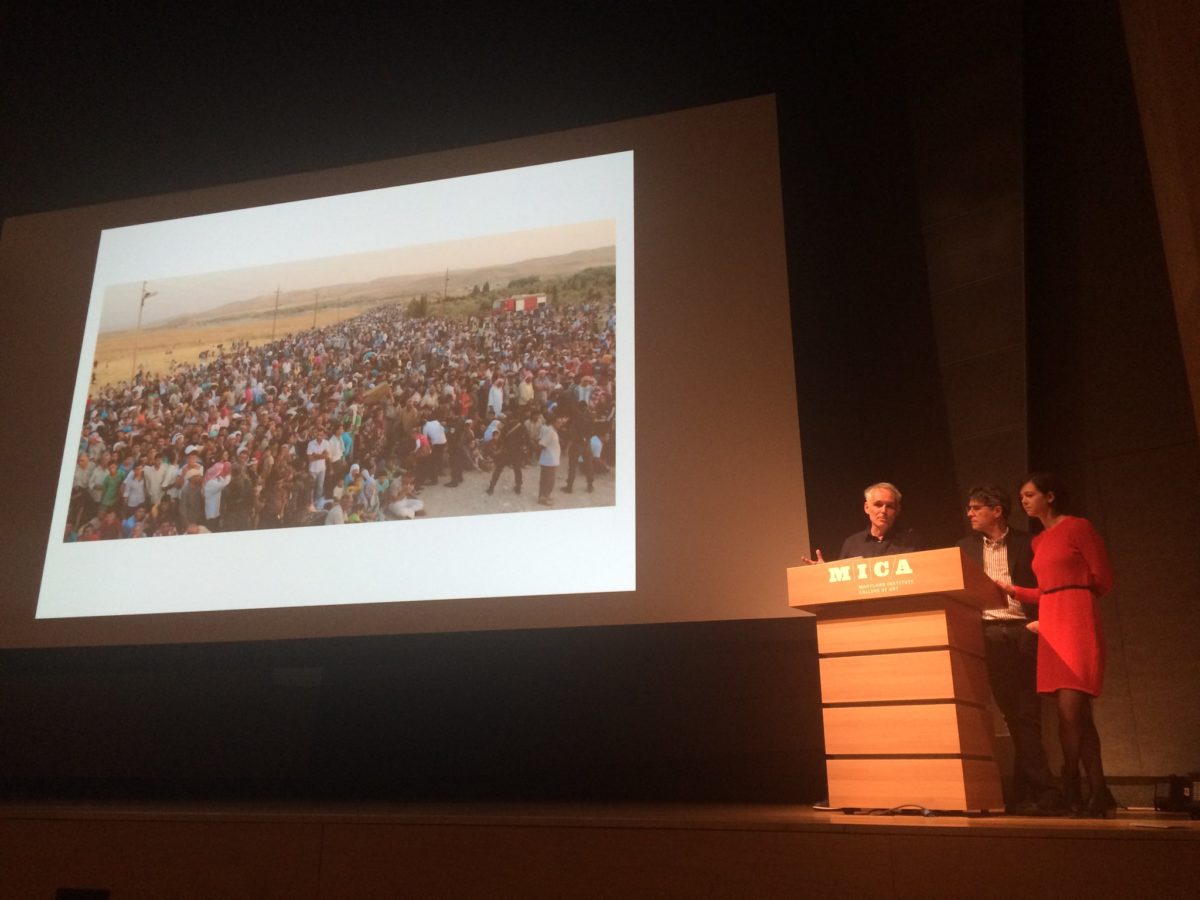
{"x":881,"y":503}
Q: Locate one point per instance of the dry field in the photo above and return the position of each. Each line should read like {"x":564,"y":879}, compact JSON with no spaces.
{"x":157,"y":347}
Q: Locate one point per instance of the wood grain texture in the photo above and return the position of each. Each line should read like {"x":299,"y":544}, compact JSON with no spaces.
{"x":908,"y":730}
{"x":918,"y":675}
{"x":941,"y":625}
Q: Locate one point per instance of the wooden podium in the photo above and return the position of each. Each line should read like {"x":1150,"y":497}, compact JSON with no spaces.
{"x":903,"y":680}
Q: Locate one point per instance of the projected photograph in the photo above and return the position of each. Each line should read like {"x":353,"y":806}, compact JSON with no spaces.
{"x":461,"y":378}
{"x":402,"y":393}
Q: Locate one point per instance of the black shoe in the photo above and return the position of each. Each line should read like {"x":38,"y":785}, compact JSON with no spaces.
{"x":567,"y":490}
{"x":1025,"y":807}
{"x":489,"y":491}
{"x":1051,"y":802}
{"x":516,"y":489}
{"x":1100,"y":805}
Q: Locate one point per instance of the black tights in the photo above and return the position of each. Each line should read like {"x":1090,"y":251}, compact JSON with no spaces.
{"x":1080,"y":740}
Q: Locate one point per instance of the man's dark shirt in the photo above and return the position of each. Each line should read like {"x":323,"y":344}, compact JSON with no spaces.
{"x":898,"y":540}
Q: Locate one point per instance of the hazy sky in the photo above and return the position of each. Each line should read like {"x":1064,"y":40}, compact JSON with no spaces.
{"x":197,"y":293}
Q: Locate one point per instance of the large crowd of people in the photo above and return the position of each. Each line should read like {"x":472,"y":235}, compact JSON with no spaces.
{"x":347,"y":423}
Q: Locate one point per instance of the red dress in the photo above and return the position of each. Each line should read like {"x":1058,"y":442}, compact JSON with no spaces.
{"x":1073,"y":572}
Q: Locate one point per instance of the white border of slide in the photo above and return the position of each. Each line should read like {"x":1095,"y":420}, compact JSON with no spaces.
{"x":516,"y":554}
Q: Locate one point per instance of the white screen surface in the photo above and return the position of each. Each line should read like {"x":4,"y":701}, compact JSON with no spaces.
{"x":492,"y":219}
{"x":719,"y":493}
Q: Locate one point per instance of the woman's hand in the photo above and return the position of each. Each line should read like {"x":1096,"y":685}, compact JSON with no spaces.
{"x":1032,"y":627}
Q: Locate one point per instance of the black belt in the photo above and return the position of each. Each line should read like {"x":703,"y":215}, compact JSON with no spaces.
{"x":1069,"y":587}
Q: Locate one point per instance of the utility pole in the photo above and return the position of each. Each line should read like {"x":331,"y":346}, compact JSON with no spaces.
{"x":137,"y":330}
{"x":275,"y":320}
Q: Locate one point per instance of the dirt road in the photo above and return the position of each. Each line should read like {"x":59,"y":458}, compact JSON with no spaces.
{"x":469,"y":499}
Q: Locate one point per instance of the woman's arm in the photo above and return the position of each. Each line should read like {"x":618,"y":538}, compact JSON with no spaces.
{"x":1091,"y":547}
{"x":1024,"y":594}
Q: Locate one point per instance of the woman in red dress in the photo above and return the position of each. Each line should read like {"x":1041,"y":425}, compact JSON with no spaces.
{"x":1073,"y":572}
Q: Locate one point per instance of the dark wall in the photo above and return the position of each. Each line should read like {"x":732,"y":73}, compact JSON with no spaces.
{"x":868,"y":386}
{"x":965,"y":98}
{"x":582,"y":714}
{"x":1109,"y":405}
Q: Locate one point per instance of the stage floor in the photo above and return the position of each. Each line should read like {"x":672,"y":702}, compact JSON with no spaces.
{"x":330,"y":851}
{"x":742,"y":817}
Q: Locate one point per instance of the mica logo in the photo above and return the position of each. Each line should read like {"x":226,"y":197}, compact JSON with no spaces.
{"x":863,"y":571}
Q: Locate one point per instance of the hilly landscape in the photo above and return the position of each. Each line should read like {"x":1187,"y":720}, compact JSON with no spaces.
{"x":378,"y":291}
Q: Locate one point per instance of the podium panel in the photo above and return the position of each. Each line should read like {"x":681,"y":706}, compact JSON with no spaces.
{"x":929,"y":624}
{"x":903,"y":681}
{"x":908,"y":730}
{"x":950,"y":783}
{"x":917,"y":675}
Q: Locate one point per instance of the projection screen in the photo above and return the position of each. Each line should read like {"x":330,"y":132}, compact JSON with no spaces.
{"x":603,"y":310}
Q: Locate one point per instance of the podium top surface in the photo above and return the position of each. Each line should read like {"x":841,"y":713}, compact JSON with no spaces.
{"x":947,"y":572}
